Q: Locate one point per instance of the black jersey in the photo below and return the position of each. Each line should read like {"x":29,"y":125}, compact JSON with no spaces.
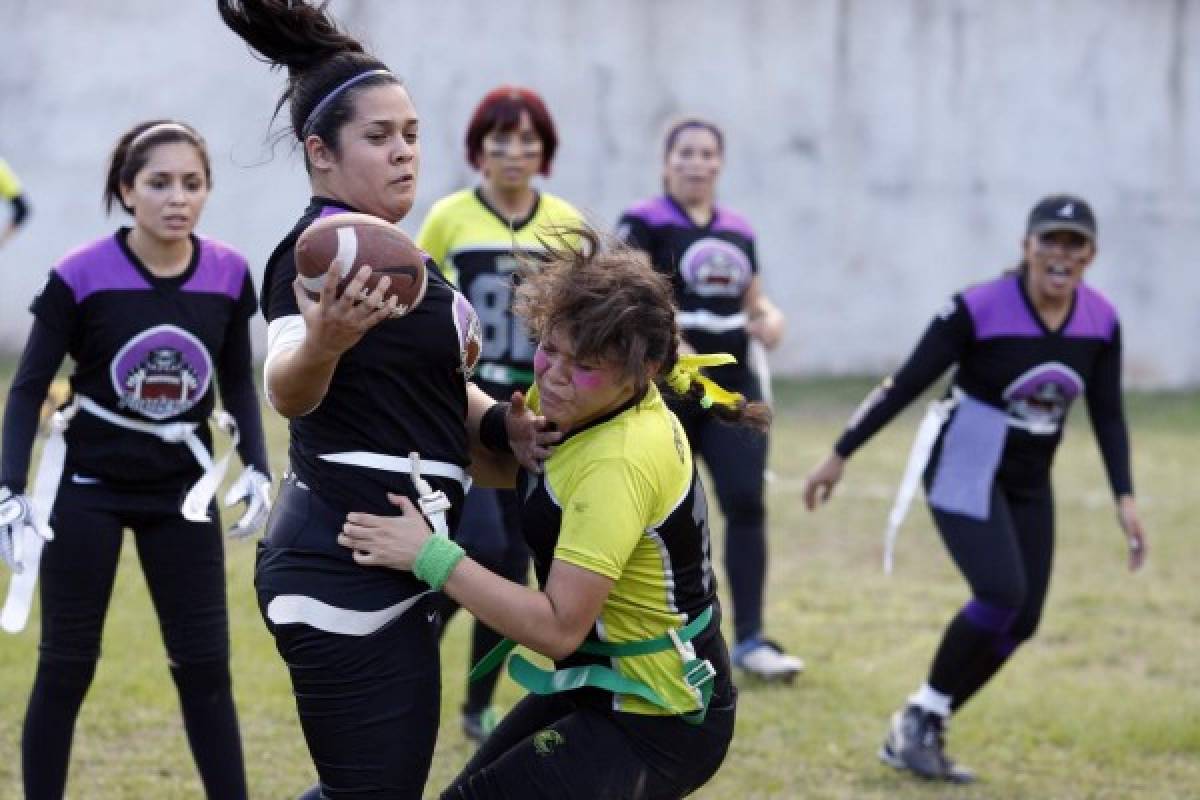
{"x":1009,"y":360}
{"x":146,"y":348}
{"x":711,"y":267}
{"x":401,"y":388}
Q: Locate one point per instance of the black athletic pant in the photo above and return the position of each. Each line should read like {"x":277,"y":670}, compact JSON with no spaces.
{"x":184,"y":565}
{"x":1006,"y":559}
{"x":736,"y":458}
{"x":550,"y":747}
{"x":368,"y":704}
{"x":490,"y":532}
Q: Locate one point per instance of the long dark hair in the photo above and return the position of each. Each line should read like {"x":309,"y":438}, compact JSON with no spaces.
{"x":319,"y":57}
{"x":132,"y":151}
{"x":614,"y":306}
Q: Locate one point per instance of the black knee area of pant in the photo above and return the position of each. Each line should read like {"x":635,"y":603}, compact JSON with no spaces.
{"x":1023,"y":629}
{"x":743,"y":510}
{"x":64,"y":677}
{"x":64,"y":648}
{"x":1012,"y":597}
{"x":194,"y":644}
{"x":202,"y":680}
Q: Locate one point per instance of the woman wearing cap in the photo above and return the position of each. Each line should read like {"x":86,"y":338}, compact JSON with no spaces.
{"x":708,"y":250}
{"x":476,"y":236}
{"x":1024,"y":345}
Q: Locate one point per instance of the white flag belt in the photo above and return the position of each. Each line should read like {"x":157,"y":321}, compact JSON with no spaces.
{"x":713,"y":323}
{"x":49,"y":475}
{"x":918,"y":458}
{"x":433,"y":503}
{"x":199,"y":497}
{"x":369,"y":460}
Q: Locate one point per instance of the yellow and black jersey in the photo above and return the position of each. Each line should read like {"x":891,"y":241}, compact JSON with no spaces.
{"x":620,"y":497}
{"x":10,"y":185}
{"x":475,"y":246}
{"x":10,"y":190}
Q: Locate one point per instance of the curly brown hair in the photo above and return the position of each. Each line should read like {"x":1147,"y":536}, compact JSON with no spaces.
{"x":616,"y":309}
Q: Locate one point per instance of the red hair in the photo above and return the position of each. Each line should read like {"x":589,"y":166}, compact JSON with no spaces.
{"x":500,"y":110}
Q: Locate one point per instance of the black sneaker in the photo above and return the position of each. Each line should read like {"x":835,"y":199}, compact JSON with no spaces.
{"x":916,"y":742}
{"x":478,"y":725}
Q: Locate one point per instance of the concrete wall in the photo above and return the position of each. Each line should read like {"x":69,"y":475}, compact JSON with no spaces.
{"x":886,"y":150}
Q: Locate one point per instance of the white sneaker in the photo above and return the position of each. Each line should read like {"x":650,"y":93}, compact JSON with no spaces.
{"x":766,"y":659}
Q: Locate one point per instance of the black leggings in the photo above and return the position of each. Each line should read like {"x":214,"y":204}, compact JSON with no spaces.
{"x":184,"y":565}
{"x":550,"y":747}
{"x":490,"y":532}
{"x":368,"y":704}
{"x":1006,"y":559}
{"x":736,"y":458}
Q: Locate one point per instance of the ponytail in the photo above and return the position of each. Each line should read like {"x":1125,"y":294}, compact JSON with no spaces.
{"x":325,"y":65}
{"x":683,"y":376}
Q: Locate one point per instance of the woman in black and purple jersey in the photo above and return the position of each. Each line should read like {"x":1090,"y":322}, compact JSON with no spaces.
{"x":154,"y":318}
{"x":363,"y":390}
{"x":1025,"y":346}
{"x":709,"y":253}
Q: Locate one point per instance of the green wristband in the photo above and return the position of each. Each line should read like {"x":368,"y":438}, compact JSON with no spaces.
{"x":436,"y":560}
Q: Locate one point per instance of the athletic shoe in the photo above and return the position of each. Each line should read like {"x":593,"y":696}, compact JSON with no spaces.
{"x":955,"y":773}
{"x":916,"y":742}
{"x":765,"y":659}
{"x":478,"y":725}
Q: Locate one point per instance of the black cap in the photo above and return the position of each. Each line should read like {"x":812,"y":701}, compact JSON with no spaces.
{"x":1061,"y":212}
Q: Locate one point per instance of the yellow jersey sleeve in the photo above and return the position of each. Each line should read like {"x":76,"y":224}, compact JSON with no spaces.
{"x":605,"y":512}
{"x":10,"y":185}
{"x":433,"y":239}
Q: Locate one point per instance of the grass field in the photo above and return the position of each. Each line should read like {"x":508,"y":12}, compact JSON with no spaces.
{"x":1104,"y":703}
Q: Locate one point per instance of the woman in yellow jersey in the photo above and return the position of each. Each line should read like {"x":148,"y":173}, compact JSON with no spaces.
{"x":640,"y":703}
{"x":10,"y":190}
{"x":476,"y":235}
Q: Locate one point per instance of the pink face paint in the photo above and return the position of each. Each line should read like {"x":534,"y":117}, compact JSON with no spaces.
{"x":541,"y":361}
{"x":586,"y":380}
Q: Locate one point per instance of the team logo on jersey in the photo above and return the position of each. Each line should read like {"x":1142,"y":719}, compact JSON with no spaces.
{"x":470,"y":333}
{"x":715,"y":268}
{"x":547,"y":741}
{"x":1041,"y":396}
{"x":161,"y":373}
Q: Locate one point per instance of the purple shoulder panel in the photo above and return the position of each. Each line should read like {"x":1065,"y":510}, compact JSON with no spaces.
{"x":733,"y":222}
{"x":98,"y":266}
{"x":221,"y":270}
{"x":659,"y":211}
{"x":1094,"y":317}
{"x":329,"y":211}
{"x":997,"y":309}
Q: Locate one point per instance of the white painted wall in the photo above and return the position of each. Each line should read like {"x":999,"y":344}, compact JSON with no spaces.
{"x":886,"y":150}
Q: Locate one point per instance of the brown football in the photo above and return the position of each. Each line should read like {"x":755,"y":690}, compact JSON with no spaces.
{"x":343,"y":243}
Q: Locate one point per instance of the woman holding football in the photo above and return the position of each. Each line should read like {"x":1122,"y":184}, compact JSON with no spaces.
{"x":363,"y":389}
